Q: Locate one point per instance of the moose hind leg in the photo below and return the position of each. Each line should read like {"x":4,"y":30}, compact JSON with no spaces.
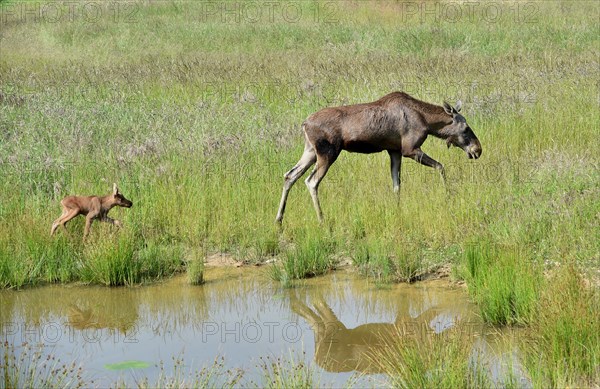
{"x":67,"y":215}
{"x":308,"y":159}
{"x":57,"y":222}
{"x":313,"y":181}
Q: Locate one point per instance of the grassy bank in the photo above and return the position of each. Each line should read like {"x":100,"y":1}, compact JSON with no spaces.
{"x":198,"y":116}
{"x":503,"y":283}
{"x":115,"y":258}
{"x":312,"y":257}
{"x":564,"y":347}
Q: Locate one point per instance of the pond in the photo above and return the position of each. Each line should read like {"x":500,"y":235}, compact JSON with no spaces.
{"x":332,"y":322}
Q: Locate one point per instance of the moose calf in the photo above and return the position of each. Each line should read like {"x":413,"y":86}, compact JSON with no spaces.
{"x":92,"y":207}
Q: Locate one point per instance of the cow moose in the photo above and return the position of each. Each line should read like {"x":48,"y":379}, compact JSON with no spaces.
{"x":396,"y":123}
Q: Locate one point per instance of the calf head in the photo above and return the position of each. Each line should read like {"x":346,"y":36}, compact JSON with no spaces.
{"x":119,"y":199}
{"x":459,"y":134}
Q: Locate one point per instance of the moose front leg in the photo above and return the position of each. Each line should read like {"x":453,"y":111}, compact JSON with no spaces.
{"x":88,"y":223}
{"x":426,"y":160}
{"x":395,"y":163}
{"x":114,"y":222}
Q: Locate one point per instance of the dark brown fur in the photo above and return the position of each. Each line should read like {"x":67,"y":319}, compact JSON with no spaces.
{"x":396,"y":123}
{"x":92,"y":207}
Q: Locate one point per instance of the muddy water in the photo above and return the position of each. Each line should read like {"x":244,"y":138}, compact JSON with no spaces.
{"x":239,"y":314}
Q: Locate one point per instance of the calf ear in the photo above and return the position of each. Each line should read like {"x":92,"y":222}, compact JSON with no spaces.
{"x":448,"y":108}
{"x":115,"y":189}
{"x":458,"y":106}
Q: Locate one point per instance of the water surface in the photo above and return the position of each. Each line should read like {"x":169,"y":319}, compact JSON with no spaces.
{"x":333,"y":322}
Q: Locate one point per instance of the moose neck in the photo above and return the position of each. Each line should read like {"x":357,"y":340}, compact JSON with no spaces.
{"x":436,"y":123}
{"x":107,"y":202}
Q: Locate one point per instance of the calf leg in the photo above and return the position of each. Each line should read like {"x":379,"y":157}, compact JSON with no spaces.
{"x":57,"y":221}
{"x":72,"y":214}
{"x":306,"y":161}
{"x":395,"y":162}
{"x":88,"y":223}
{"x":67,"y":215}
{"x":114,"y":222}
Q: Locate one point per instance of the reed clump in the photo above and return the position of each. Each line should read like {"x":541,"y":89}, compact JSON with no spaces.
{"x":505,"y":285}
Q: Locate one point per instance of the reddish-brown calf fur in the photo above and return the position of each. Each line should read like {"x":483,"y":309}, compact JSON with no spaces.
{"x":92,"y":207}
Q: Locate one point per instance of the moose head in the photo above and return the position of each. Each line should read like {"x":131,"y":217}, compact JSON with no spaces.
{"x":459,"y":134}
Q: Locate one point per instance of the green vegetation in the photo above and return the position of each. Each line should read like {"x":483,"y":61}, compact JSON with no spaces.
{"x":290,"y":372}
{"x":503,"y":283}
{"x":197,"y":116}
{"x":195,"y":271}
{"x":126,"y":365}
{"x":565,"y":337}
{"x":400,"y":261}
{"x":432,"y":361}
{"x":373,"y":261}
{"x":109,"y":258}
{"x":312,"y":257}
{"x":29,"y":367}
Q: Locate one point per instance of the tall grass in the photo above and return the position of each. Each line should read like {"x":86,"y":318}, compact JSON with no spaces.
{"x":373,"y":261}
{"x":311,"y":257}
{"x":111,"y":262}
{"x":505,"y":285}
{"x":29,"y":366}
{"x":431,"y":361}
{"x":388,"y":262}
{"x":199,"y":120}
{"x":214,"y":375}
{"x":121,"y":259}
{"x":564,"y":348}
{"x":195,"y":269}
{"x":115,"y":258}
{"x":290,"y":372}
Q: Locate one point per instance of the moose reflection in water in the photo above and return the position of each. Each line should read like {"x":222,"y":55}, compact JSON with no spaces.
{"x":342,"y":349}
{"x":88,"y":318}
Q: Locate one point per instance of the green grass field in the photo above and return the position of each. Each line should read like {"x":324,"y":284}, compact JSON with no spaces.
{"x":195,"y":108}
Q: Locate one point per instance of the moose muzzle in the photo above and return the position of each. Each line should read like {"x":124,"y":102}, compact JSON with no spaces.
{"x":473,"y":150}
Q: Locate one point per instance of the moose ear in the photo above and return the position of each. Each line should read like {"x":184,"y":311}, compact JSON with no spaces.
{"x":458,"y":106}
{"x":115,"y":189}
{"x":448,"y":108}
